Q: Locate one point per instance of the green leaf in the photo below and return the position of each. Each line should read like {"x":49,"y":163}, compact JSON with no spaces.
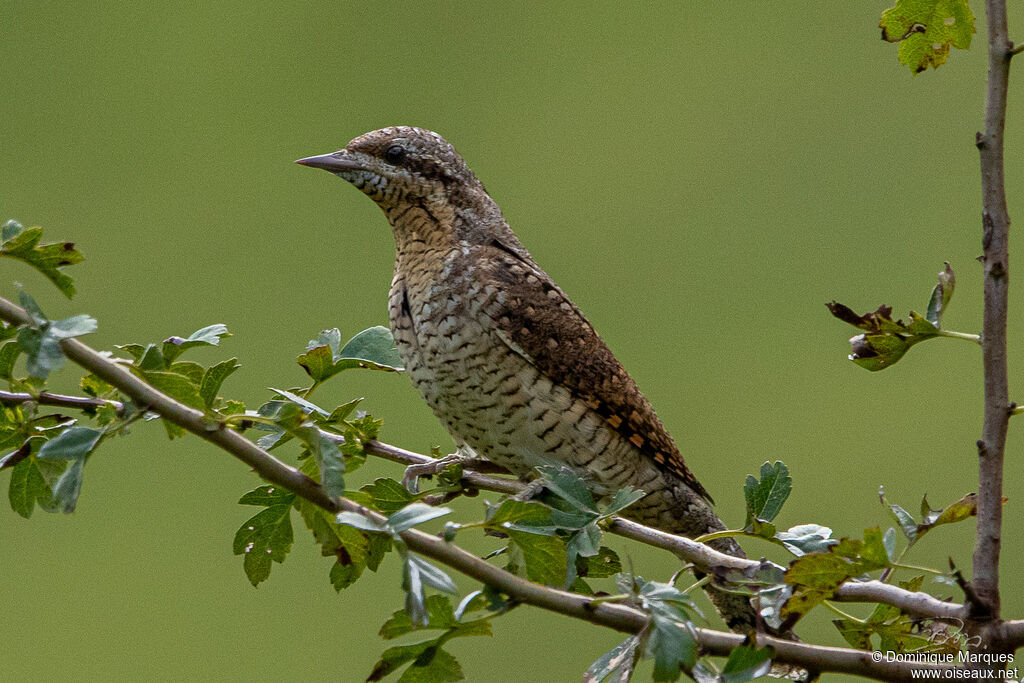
{"x":94,"y":386}
{"x":265,"y":536}
{"x":745,"y":663}
{"x":603,"y":564}
{"x":73,"y":443}
{"x":178,"y":387}
{"x":766,"y":497}
{"x":328,"y":458}
{"x":31,"y":484}
{"x":48,"y":258}
{"x":814,"y":578}
{"x":318,"y":362}
{"x":360,"y":522}
{"x":430,"y":664}
{"x":565,"y":483}
{"x":926,"y":29}
{"x":387,"y":495}
{"x":267,"y":496}
{"x":9,"y":352}
{"x":42,"y":343}
{"x":941,"y":295}
{"x":963,"y":509}
{"x":616,"y":665}
{"x":307,"y":406}
{"x":673,"y":647}
{"x":519,"y":512}
{"x":885,"y":340}
{"x":371,"y":348}
{"x":414,"y":514}
{"x":544,"y":557}
{"x":622,"y":499}
{"x":343,"y":411}
{"x":206,"y":336}
{"x":417,"y":573}
{"x":902,"y":517}
{"x":807,"y":538}
{"x":68,"y":487}
{"x":214,"y":377}
{"x":375,"y":346}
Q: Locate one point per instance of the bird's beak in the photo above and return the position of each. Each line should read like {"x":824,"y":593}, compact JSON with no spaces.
{"x":336,"y":162}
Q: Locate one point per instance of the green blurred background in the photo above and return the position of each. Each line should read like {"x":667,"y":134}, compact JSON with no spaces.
{"x":700,"y":177}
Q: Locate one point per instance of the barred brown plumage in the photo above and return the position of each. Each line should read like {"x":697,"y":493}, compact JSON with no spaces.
{"x":505,"y":360}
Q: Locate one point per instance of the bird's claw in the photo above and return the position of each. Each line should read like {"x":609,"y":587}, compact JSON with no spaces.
{"x":411,"y":478}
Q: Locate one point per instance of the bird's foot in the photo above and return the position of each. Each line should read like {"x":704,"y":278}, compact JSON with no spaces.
{"x":411,"y":478}
{"x":532,"y":490}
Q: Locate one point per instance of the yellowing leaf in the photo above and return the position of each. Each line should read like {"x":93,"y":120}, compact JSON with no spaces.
{"x":925,"y":30}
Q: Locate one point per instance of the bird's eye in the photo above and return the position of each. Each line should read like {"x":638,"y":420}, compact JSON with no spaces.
{"x":395,"y":154}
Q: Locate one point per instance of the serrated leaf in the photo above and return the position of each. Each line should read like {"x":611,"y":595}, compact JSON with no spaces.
{"x":371,"y":348}
{"x":566,"y":484}
{"x":414,"y":514}
{"x":214,"y":377}
{"x":672,"y":646}
{"x":94,"y":386}
{"x":178,"y":387}
{"x":318,"y":362}
{"x":48,"y":258}
{"x":603,"y":564}
{"x":902,"y":517}
{"x":544,"y":557}
{"x":73,"y":443}
{"x":206,"y":336}
{"x":622,"y":499}
{"x":926,"y":29}
{"x":520,"y":512}
{"x":264,"y":537}
{"x":886,"y":340}
{"x":31,"y":484}
{"x":616,"y":665}
{"x":387,"y":495}
{"x":430,"y":664}
{"x":807,"y":538}
{"x":343,"y":411}
{"x":765,"y":497}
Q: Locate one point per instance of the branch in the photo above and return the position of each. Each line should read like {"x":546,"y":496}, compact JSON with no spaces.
{"x":699,"y":554}
{"x":615,"y":616}
{"x":995,"y":239}
{"x":46,"y":398}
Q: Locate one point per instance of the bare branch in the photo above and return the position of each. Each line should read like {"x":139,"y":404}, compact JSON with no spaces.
{"x":995,"y":241}
{"x":45,"y":398}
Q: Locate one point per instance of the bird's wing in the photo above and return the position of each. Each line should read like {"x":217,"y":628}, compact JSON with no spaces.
{"x":537,"y":320}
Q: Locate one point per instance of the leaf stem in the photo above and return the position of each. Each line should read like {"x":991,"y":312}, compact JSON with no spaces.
{"x":975,"y":338}
{"x":845,"y":615}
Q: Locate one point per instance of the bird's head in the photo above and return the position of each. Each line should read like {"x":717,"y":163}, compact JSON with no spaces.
{"x":401,"y":164}
{"x":423,"y":185}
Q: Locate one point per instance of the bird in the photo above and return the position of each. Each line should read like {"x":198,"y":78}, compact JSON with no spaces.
{"x":506,"y":361}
